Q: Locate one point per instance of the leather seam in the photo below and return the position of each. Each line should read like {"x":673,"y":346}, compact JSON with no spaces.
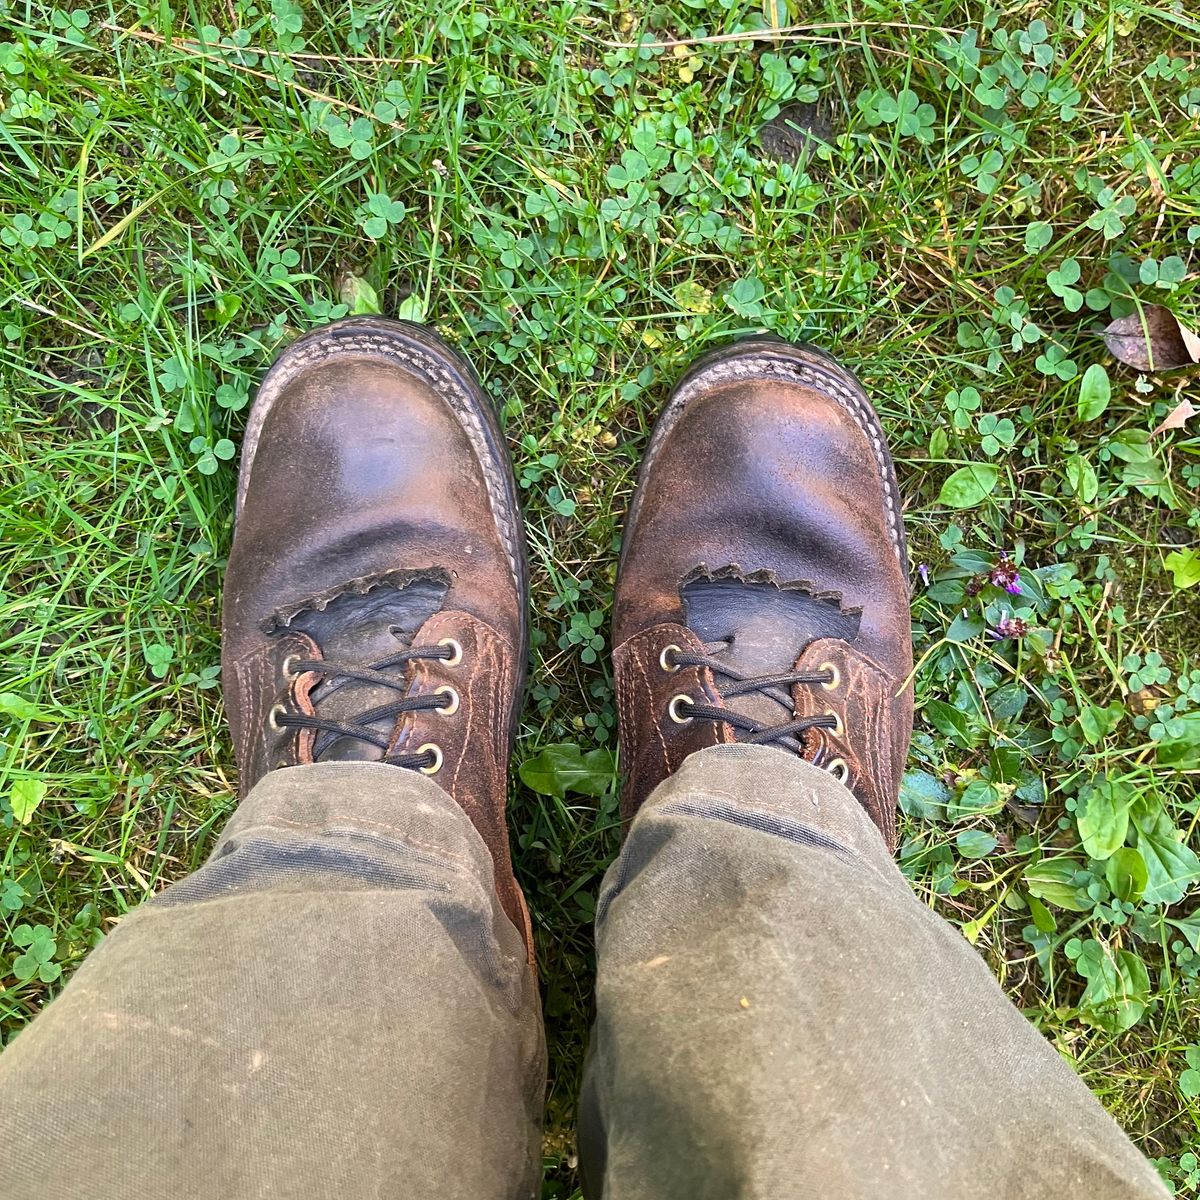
{"x":648,"y":688}
{"x":465,"y":741}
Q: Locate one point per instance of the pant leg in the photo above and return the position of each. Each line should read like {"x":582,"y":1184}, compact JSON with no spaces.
{"x":780,"y":1018}
{"x":334,"y":1005}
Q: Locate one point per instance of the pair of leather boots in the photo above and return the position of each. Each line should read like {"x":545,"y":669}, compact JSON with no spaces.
{"x":377,"y":591}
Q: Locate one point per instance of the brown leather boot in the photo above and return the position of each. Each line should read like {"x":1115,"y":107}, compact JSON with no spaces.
{"x":375,"y":601}
{"x":763,"y":595}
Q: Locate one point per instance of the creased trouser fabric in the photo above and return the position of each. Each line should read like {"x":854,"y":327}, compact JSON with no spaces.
{"x":335,"y":1006}
{"x":778,"y":1016}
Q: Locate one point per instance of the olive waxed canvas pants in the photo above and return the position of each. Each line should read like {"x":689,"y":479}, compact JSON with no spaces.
{"x":335,"y":1006}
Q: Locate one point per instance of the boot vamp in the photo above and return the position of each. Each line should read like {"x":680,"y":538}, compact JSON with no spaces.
{"x":770,"y":478}
{"x":362,"y":469}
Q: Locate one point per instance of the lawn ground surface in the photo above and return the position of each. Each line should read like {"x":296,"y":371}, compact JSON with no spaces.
{"x":956,"y":199}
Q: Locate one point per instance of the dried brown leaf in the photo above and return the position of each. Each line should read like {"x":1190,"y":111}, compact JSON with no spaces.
{"x":1152,"y":340}
{"x":1177,"y":418}
{"x":1144,"y":701}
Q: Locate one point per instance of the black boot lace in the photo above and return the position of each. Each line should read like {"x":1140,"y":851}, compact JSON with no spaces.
{"x":787,"y":733}
{"x":337,"y":675}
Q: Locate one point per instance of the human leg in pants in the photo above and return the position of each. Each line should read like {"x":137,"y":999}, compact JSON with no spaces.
{"x":340,"y":1002}
{"x":334,"y":1005}
{"x":777,"y":1014}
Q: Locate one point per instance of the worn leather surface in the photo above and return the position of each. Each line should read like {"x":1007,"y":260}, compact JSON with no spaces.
{"x":475,"y":740}
{"x":372,"y":460}
{"x":769,"y":462}
{"x":253,"y":684}
{"x":653,"y":745}
{"x":876,"y":726}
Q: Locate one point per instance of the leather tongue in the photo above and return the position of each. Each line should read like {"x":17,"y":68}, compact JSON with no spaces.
{"x":360,"y":630}
{"x":759,"y":627}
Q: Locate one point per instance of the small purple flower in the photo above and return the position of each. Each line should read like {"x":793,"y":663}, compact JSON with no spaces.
{"x":1004,"y":575}
{"x":975,"y":584}
{"x":923,"y":571}
{"x":1013,"y":628}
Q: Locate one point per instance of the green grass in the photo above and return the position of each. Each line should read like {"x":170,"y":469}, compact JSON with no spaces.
{"x":184,"y":190}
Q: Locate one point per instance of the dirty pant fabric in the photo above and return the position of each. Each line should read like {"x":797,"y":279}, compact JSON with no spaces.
{"x":778,"y":1016}
{"x":335,"y":1006}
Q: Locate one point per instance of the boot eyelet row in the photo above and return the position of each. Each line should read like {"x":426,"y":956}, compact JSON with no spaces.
{"x":835,"y":676}
{"x":665,"y":662}
{"x":448,"y":710}
{"x":673,"y":709}
{"x":456,"y":652}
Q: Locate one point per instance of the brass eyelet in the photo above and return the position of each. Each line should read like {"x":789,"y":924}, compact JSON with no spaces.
{"x":673,"y":709}
{"x":279,"y":710}
{"x":435,"y":766}
{"x":450,"y":709}
{"x":669,"y":667}
{"x":839,"y":728}
{"x":839,"y":769}
{"x":835,"y":680}
{"x":289,"y":674}
{"x":456,"y":652}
